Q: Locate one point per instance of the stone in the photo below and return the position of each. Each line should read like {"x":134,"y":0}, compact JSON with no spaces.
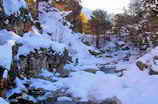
{"x":65,"y":102}
{"x":65,"y":73}
{"x":155,"y":60}
{"x":152,"y":72}
{"x":43,"y":58}
{"x":91,"y":70}
{"x":113,"y":100}
{"x":108,"y":68}
{"x":141,"y":65}
{"x":22,"y":101}
{"x":95,"y":53}
{"x":36,"y":92}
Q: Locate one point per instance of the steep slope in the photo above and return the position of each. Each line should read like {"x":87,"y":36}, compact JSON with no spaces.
{"x":52,"y":23}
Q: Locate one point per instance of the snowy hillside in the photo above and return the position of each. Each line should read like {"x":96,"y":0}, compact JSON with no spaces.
{"x":110,"y":75}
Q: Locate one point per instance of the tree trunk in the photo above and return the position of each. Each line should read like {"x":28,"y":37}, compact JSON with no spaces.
{"x":1,"y":6}
{"x":97,"y":41}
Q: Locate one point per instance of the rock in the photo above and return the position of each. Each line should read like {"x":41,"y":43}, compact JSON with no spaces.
{"x":108,"y":68}
{"x":125,"y":48}
{"x":151,"y":66}
{"x":152,"y":72}
{"x":91,"y":70}
{"x":22,"y":101}
{"x":44,"y":58}
{"x":50,"y":100}
{"x":113,"y":100}
{"x":120,"y":43}
{"x":89,"y":102}
{"x":36,"y":92}
{"x":20,"y":98}
{"x":3,"y":81}
{"x":65,"y":73}
{"x":94,"y":52}
{"x":15,"y":96}
{"x":155,"y":60}
{"x":141,"y":65}
{"x":65,"y":102}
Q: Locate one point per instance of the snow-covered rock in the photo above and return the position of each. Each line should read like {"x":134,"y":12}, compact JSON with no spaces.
{"x":64,"y":98}
{"x":52,"y":25}
{"x":6,"y":55}
{"x":7,"y":40}
{"x":7,"y":36}
{"x":31,"y":41}
{"x":34,"y":52}
{"x":149,"y":61}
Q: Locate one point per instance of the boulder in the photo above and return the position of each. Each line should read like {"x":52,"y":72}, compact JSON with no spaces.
{"x":91,"y":70}
{"x":43,"y":58}
{"x":95,"y":52}
{"x":113,"y":100}
{"x":142,"y":66}
{"x":65,"y":102}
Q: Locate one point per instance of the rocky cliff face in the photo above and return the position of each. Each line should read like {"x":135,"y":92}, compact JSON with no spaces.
{"x":28,"y":56}
{"x":43,"y":58}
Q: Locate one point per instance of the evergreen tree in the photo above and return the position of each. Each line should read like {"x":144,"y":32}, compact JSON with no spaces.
{"x":100,"y":24}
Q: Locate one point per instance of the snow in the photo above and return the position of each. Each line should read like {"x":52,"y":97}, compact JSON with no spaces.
{"x":52,"y":25}
{"x":100,"y":86}
{"x":85,"y":85}
{"x":149,"y":56}
{"x":46,"y":85}
{"x":134,"y":87}
{"x":7,"y":40}
{"x":2,"y":101}
{"x":148,"y":59}
{"x":6,"y":55}
{"x":13,"y":6}
{"x":7,"y":36}
{"x":33,"y":41}
{"x":64,"y":98}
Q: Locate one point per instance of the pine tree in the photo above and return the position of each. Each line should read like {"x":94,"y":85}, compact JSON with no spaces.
{"x":100,"y":24}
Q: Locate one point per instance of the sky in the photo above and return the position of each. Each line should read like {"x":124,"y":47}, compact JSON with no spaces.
{"x":112,"y":6}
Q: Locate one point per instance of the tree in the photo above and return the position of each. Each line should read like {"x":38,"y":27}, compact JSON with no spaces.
{"x":14,"y":19}
{"x":151,"y":6}
{"x":135,"y":8}
{"x":100,"y":24}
